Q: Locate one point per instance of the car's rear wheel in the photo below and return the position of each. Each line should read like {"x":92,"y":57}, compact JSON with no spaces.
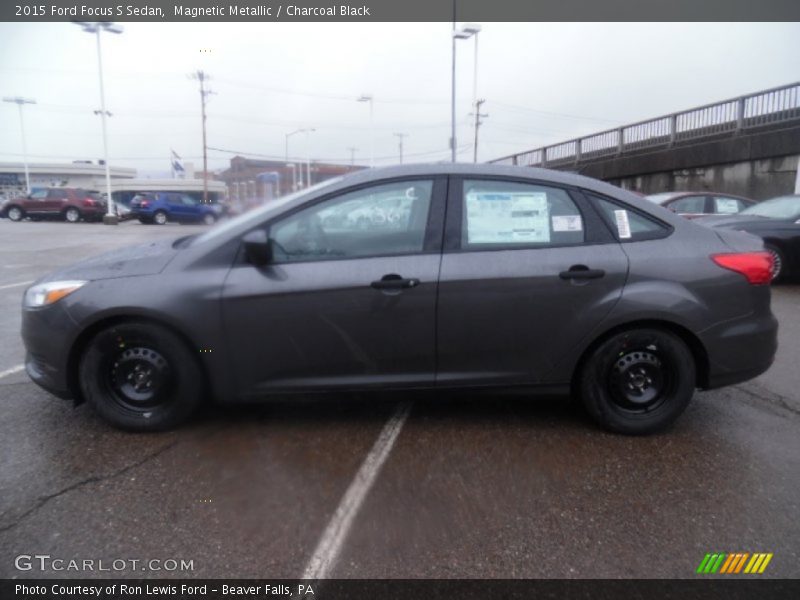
{"x":638,"y":381}
{"x":209,"y":219}
{"x":15,"y":213}
{"x":72,"y":215}
{"x":160,"y":217}
{"x":140,"y":377}
{"x":778,"y":262}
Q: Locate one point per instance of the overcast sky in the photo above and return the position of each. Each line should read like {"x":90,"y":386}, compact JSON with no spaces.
{"x":543,"y":83}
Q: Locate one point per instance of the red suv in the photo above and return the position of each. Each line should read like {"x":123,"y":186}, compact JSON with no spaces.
{"x":70,"y":204}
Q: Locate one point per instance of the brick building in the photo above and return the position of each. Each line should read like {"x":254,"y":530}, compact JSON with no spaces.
{"x":251,"y":182}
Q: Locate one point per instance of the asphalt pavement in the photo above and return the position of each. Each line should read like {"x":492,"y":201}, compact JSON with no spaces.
{"x":427,"y":485}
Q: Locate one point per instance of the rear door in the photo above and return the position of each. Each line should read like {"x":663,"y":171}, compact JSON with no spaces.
{"x":527,"y":272}
{"x":349,"y":298}
{"x":691,"y":207}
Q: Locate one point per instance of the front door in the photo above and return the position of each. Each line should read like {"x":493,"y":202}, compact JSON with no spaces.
{"x":349,"y":298}
{"x":528,"y":271}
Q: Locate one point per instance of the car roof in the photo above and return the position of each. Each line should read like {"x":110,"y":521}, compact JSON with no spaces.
{"x":484,"y":170}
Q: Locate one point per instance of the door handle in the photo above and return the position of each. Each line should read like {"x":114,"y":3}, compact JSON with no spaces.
{"x":581,"y":272}
{"x":394,"y":282}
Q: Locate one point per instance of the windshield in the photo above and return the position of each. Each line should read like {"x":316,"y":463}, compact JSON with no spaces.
{"x":785,"y":207}
{"x":254,"y":216}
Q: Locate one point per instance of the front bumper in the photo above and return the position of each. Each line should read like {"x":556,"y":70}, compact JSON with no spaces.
{"x":48,"y":335}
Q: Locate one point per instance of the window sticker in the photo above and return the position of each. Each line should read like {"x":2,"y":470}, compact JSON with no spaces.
{"x":507,"y":218}
{"x":623,"y":225}
{"x":567,"y":223}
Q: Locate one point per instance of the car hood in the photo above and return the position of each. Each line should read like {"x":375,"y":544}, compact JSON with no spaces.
{"x":131,"y":261}
{"x":731,"y":220}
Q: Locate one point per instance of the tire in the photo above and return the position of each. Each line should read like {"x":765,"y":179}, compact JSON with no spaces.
{"x":72,"y":215}
{"x":638,"y":381}
{"x":15,"y":213}
{"x":160,"y":217}
{"x":141,"y":377}
{"x":779,"y":263}
{"x":209,"y":219}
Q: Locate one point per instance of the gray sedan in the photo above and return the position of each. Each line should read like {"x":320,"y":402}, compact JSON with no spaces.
{"x":489,"y":276}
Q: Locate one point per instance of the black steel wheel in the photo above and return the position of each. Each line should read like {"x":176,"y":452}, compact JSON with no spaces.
{"x":141,"y":377}
{"x":638,"y":381}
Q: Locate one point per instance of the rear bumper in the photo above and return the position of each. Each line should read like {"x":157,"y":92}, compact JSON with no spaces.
{"x":740,"y":350}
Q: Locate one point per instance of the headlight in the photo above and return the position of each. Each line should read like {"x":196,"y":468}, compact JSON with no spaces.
{"x":45,"y":294}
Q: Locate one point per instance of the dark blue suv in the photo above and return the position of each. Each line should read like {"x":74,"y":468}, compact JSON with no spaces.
{"x":160,"y":207}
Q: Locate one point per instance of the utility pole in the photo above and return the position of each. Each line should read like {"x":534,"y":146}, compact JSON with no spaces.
{"x":352,"y":155}
{"x":202,"y":77}
{"x":400,"y":137}
{"x":478,"y":123}
{"x":20,"y":101}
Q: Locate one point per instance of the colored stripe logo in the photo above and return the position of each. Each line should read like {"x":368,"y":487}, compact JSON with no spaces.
{"x":734,"y":563}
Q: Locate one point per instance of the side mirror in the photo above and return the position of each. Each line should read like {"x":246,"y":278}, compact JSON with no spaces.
{"x":257,"y":247}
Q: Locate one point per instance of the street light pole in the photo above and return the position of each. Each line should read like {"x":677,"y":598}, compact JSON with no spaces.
{"x":465,"y":32}
{"x":20,"y":101}
{"x":110,"y":217}
{"x":308,"y":156}
{"x":400,"y":137}
{"x":352,"y":155}
{"x":370,"y":99}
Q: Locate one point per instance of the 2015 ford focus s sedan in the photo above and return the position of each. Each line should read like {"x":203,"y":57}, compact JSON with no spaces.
{"x":430,"y":276}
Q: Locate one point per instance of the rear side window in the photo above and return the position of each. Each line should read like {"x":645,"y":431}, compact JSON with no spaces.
{"x":727,"y":206}
{"x":504,"y":213}
{"x":689,"y":204}
{"x":629,"y":225}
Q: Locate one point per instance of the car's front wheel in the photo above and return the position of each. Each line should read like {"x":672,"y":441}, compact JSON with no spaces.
{"x":209,"y":219}
{"x":15,"y":213}
{"x":140,"y":377}
{"x":638,"y":381}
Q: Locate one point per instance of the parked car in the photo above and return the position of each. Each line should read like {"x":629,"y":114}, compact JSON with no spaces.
{"x":69,"y":204}
{"x":775,"y":221}
{"x":162,"y":207}
{"x":697,"y":204}
{"x":500,"y":277}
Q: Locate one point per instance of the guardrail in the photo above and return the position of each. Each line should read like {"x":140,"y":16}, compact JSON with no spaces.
{"x":729,"y":117}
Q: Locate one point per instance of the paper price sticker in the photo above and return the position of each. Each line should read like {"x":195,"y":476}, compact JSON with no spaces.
{"x":623,"y":225}
{"x":567,"y":223}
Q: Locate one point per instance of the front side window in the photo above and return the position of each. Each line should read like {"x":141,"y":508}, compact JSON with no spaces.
{"x":40,"y":195}
{"x":381,"y":220}
{"x":503,"y":213}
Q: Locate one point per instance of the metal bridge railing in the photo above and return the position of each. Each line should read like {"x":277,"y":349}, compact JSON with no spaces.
{"x":729,"y":117}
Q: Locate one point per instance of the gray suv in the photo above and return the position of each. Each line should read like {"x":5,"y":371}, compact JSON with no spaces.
{"x":490,"y":276}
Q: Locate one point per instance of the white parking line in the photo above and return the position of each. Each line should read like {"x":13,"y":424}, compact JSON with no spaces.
{"x":10,"y":285}
{"x":11,"y":371}
{"x":330,"y":544}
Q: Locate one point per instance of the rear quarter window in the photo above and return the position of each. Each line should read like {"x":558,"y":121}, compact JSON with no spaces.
{"x":627,"y":224}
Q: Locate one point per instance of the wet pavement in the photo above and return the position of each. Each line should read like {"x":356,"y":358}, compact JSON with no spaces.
{"x":474,"y":485}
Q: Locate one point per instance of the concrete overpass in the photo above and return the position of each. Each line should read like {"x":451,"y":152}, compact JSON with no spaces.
{"x":748,"y":145}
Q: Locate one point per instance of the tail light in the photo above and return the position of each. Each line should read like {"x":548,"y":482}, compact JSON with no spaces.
{"x":755,"y":266}
{"x":88,"y":202}
{"x":144,"y":204}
